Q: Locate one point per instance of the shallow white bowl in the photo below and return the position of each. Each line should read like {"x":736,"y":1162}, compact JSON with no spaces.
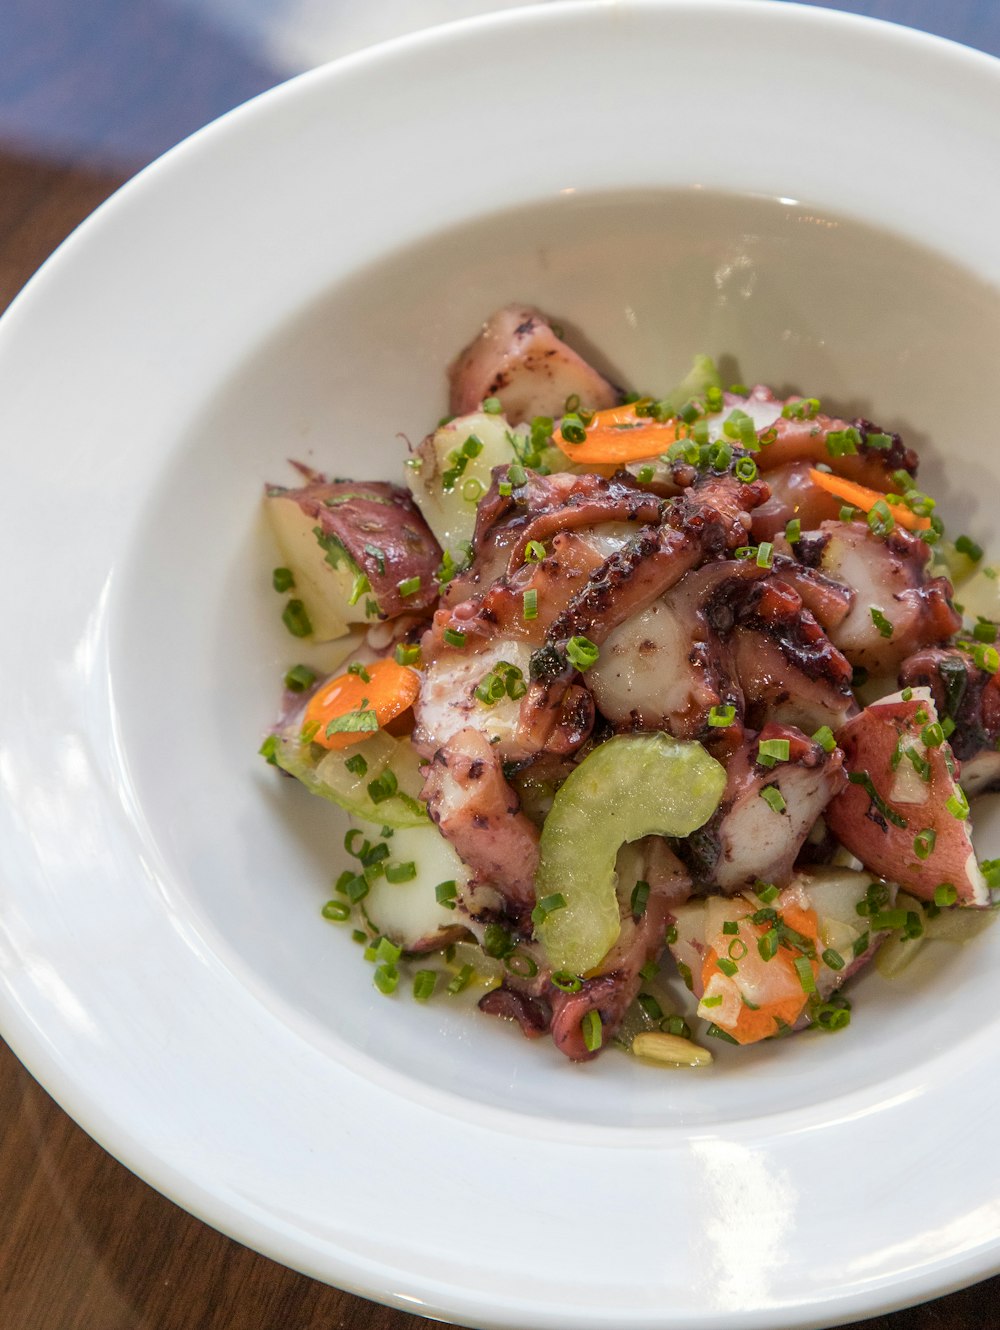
{"x":808,"y":196}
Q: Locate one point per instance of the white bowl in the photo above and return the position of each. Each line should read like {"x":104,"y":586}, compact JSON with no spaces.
{"x":811,"y":197}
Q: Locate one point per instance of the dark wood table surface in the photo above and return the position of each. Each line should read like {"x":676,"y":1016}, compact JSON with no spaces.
{"x":91,"y":90}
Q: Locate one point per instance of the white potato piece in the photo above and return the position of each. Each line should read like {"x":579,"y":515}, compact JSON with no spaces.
{"x":451,"y":512}
{"x":409,"y":912}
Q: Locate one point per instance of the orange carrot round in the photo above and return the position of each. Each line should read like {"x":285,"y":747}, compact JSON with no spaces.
{"x":350,"y":708}
{"x":617,"y":436}
{"x":863,"y":497}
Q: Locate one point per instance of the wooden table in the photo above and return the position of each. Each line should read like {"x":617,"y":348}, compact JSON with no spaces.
{"x":90,"y":90}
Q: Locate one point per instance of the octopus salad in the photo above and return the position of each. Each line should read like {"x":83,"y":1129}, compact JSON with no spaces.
{"x":656,"y":718}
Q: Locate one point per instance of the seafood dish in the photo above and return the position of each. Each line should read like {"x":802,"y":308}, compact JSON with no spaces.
{"x":657,"y":718}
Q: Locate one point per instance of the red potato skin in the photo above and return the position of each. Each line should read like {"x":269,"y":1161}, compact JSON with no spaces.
{"x":383,"y":532}
{"x":869,"y":742}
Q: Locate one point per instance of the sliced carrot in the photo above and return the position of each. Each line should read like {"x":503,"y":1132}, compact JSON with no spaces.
{"x":360,"y":705}
{"x":617,"y":435}
{"x":863,"y":497}
{"x":756,"y":1023}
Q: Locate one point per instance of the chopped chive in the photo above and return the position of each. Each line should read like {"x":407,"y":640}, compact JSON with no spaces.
{"x":493,"y":406}
{"x":767,"y":944}
{"x":580,"y":651}
{"x":986,"y":658}
{"x":645,"y":474}
{"x":969,"y":548}
{"x":958,"y":804}
{"x":730,"y":927}
{"x":282,"y":579}
{"x":530,"y":604}
{"x":880,"y":520}
{"x":546,"y":906}
{"x":357,"y":765}
{"x":765,"y":554}
{"x":640,"y":898}
{"x":985,"y":631}
{"x":727,"y":967}
{"x":793,"y":530}
{"x":843,"y":442}
{"x":520,"y":964}
{"x":721,"y":717}
{"x":649,"y":1007}
{"x":880,"y":621}
{"x":516,"y":474}
{"x":715,"y":1001}
{"x":945,"y":894}
{"x":572,"y":429}
{"x":593,"y":1031}
{"x":860,"y":945}
{"x":386,"y":978}
{"x":923,"y":842}
{"x":770,"y":751}
{"x":932,"y":735}
{"x":336,"y":910}
{"x":406,"y":654}
{"x":357,"y":668}
{"x":454,"y":638}
{"x":461,"y":980}
{"x":833,"y":959}
{"x":768,"y":892}
{"x":408,"y":587}
{"x":296,"y":619}
{"x":847,"y":512}
{"x":745,"y":470}
{"x":299,"y":678}
{"x":424,"y":984}
{"x":991,"y":872}
{"x":805,"y":972}
{"x":824,"y":737}
{"x":714,"y":1032}
{"x":383,"y":787}
{"x":534,"y":551}
{"x":648,"y":971}
{"x":405,"y":872}
{"x":831,"y":1017}
{"x":361,"y":585}
{"x":445,"y":894}
{"x":773,"y":797}
{"x":737,"y":949}
{"x":497,"y":941}
{"x":269,"y":748}
{"x":566,"y":982}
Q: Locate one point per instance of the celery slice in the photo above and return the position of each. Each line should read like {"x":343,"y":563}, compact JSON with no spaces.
{"x":700,"y":377}
{"x":634,"y":785}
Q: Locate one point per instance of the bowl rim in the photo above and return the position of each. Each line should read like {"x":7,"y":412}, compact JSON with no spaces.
{"x":30,"y":1043}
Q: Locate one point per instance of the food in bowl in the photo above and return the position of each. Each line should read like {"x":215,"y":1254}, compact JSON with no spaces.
{"x":639,"y":683}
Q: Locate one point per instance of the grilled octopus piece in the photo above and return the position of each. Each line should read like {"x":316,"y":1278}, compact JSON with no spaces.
{"x":477,"y":811}
{"x":519,"y":358}
{"x":747,"y":838}
{"x":538,"y":1005}
{"x":887,"y":574}
{"x":970,"y":697}
{"x":612,"y":990}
